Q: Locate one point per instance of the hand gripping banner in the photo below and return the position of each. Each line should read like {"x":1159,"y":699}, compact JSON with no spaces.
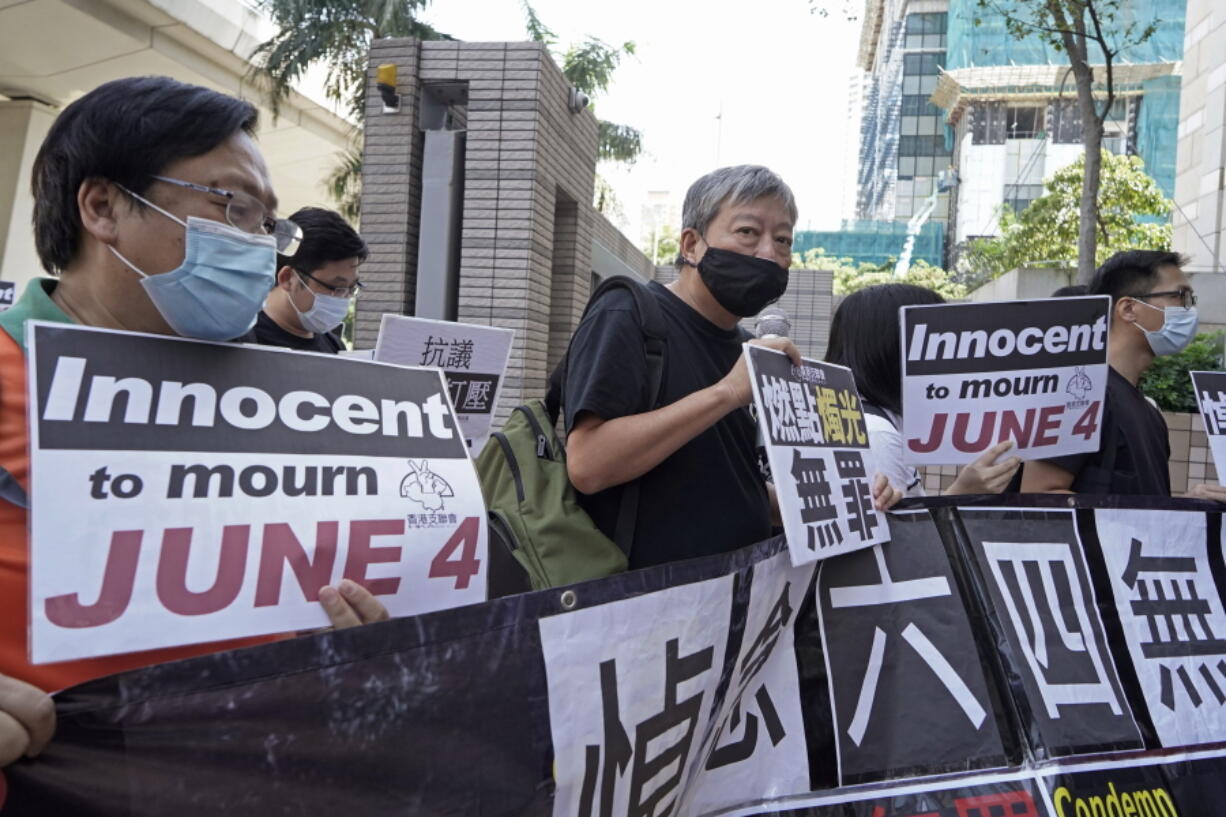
{"x":1028,"y":659}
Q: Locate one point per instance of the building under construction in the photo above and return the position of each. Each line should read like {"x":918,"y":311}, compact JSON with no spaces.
{"x":951,"y":89}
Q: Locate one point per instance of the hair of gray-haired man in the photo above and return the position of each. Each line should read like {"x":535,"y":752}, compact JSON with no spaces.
{"x":738,"y":184}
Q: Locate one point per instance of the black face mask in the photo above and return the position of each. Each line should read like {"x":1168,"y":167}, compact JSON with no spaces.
{"x":742,"y":284}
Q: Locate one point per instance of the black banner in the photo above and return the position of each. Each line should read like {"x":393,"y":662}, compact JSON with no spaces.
{"x":129,"y":392}
{"x":1006,"y":336}
{"x":978,"y":665}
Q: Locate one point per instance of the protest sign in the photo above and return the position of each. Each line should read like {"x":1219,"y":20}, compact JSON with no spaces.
{"x":185,"y":492}
{"x":1210,"y":389}
{"x":817,"y":446}
{"x":974,"y":375}
{"x":473,"y":359}
{"x":962,"y":670}
{"x":8,"y":294}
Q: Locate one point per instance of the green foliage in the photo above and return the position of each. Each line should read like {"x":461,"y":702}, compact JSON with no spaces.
{"x":1047,"y":230}
{"x":850,"y":277}
{"x":337,"y":33}
{"x":345,"y":184}
{"x":1167,"y":380}
{"x":666,"y":245}
{"x":589,"y":66}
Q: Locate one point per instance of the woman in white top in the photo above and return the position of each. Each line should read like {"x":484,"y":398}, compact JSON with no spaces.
{"x":864,"y":337}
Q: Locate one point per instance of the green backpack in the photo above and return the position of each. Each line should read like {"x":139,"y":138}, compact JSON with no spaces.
{"x":534,"y":513}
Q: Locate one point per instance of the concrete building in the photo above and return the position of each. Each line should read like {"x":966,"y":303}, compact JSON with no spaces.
{"x":1200,"y":171}
{"x":1013,"y":117}
{"x":53,"y":51}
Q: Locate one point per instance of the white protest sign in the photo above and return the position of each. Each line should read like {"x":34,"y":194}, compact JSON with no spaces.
{"x":185,"y":492}
{"x":473,"y":359}
{"x":627,"y":709}
{"x":1210,"y":388}
{"x":974,"y":375}
{"x":817,"y":446}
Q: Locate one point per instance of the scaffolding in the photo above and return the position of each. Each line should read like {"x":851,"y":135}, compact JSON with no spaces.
{"x":879,"y":243}
{"x":978,"y":39}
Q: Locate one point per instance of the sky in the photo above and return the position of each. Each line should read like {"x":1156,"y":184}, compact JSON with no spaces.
{"x":778,"y":73}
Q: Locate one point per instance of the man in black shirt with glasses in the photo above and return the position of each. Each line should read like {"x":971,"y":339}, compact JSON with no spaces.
{"x":315,"y":285}
{"x":1153,"y":313}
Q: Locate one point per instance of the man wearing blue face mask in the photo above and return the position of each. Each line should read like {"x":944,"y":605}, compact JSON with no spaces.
{"x":315,"y":285}
{"x":1153,"y":313}
{"x":153,"y":212}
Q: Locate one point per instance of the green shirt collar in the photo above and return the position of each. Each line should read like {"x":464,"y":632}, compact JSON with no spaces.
{"x":34,"y":304}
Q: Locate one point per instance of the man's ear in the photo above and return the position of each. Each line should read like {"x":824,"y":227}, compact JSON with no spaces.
{"x":99,"y":205}
{"x":285,"y":278}
{"x":690,"y":246}
{"x":1125,"y":311}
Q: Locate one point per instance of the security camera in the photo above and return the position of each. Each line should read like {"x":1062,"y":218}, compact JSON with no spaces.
{"x":578,"y":100}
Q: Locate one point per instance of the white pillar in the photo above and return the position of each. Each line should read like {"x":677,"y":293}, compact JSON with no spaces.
{"x":23,"y":125}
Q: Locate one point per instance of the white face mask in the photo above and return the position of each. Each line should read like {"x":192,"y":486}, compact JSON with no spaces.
{"x":326,"y":313}
{"x":1179,"y":327}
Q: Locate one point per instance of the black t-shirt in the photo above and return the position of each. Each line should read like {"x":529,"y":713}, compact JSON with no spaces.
{"x":266,"y":332}
{"x":708,"y":496}
{"x":1138,"y":434}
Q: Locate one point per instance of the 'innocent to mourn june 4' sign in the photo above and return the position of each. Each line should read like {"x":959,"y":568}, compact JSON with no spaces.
{"x":185,"y":492}
{"x":974,"y":375}
{"x":813,"y":428}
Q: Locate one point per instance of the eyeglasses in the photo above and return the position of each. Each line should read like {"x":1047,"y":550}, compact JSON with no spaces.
{"x":337,"y":292}
{"x":1187,"y":298}
{"x":249,"y":214}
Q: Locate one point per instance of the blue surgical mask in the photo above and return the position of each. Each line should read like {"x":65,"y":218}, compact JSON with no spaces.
{"x":219,"y":289}
{"x":1179,"y":327}
{"x":324,"y":315}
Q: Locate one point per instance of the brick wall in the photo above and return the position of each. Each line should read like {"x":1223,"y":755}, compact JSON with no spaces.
{"x":528,"y":177}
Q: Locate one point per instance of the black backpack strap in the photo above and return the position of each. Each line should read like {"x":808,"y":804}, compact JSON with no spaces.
{"x":653,"y":326}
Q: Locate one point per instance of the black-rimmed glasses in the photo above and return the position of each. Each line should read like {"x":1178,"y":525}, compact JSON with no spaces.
{"x":1187,"y":298}
{"x":337,"y":292}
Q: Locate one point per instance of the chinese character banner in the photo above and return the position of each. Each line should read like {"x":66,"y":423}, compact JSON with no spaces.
{"x":1027,"y":660}
{"x":816,"y":441}
{"x":1210,"y":390}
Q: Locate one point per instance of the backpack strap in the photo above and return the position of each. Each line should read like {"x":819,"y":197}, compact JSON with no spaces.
{"x":11,"y":490}
{"x":653,"y":326}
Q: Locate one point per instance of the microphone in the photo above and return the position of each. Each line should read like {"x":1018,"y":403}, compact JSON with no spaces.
{"x":772,"y":323}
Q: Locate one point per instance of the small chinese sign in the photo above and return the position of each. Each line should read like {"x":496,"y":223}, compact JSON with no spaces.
{"x":473,"y":359}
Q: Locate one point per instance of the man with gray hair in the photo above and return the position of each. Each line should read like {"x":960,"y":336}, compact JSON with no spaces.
{"x":694,"y":450}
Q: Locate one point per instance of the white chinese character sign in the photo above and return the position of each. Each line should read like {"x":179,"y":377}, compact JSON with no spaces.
{"x":1161,"y":570}
{"x":974,"y":375}
{"x":1210,"y":389}
{"x":473,"y":358}
{"x":817,"y":446}
{"x":185,"y":492}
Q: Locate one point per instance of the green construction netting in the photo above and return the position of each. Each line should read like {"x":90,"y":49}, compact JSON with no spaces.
{"x":874,"y":242}
{"x":978,"y":36}
{"x":1157,"y":130}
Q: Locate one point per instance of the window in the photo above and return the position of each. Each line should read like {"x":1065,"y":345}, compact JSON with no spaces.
{"x":921,"y":146}
{"x":926,"y":30}
{"x":918,"y":105}
{"x":1023,"y":123}
{"x":988,"y":124}
{"x":1019,"y":196}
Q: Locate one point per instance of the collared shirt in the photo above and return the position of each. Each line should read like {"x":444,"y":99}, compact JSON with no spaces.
{"x":36,"y":304}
